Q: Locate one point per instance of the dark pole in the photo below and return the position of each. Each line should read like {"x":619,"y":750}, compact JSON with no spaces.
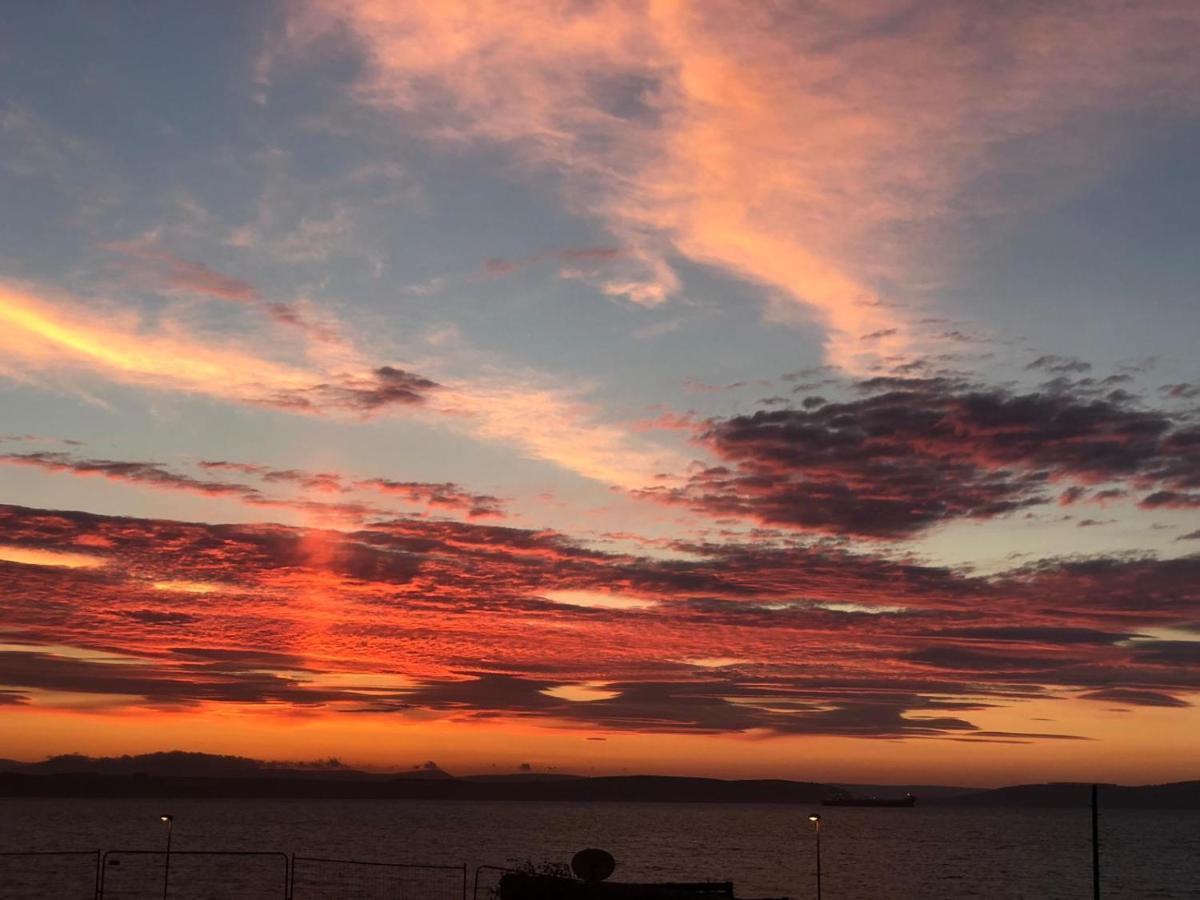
{"x":818,"y":860}
{"x":170,"y":820}
{"x":816,"y":820}
{"x":1095,"y":846}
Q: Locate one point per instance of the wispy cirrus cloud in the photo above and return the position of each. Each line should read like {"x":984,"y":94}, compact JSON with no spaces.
{"x":557,"y":423}
{"x":60,"y":336}
{"x":436,"y":495}
{"x":174,"y":273}
{"x":439,"y":496}
{"x":676,"y":124}
{"x":153,"y":265}
{"x":323,"y":482}
{"x":539,"y":416}
{"x":144,"y":473}
{"x":498,"y":266}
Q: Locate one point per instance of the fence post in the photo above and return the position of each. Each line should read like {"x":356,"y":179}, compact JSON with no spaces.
{"x":103,"y":872}
{"x":1095,"y":845}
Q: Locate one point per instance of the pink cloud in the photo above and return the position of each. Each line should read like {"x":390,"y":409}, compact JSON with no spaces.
{"x":167,"y":272}
{"x":175,"y":273}
{"x":798,"y":148}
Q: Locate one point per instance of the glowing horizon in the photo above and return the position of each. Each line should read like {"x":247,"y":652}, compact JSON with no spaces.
{"x":620,"y":387}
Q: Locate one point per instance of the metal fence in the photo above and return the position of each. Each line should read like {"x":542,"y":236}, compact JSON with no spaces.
{"x":69,"y":874}
{"x":486,"y":885}
{"x":198,"y":874}
{"x":220,"y":874}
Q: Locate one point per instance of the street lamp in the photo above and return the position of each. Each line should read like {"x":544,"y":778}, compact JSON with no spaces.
{"x":170,"y":820}
{"x":816,"y":820}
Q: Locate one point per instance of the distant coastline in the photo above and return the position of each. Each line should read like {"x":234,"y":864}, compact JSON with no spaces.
{"x":202,"y":775}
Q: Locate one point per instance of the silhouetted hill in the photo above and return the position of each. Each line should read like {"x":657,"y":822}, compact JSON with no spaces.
{"x":181,"y":774}
{"x":1179,"y":795}
{"x":177,"y":763}
{"x":616,"y":788}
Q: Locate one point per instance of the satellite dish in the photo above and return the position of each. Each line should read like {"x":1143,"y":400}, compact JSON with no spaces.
{"x":593,"y":864}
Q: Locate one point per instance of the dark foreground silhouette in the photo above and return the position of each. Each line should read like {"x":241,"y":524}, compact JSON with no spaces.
{"x":520,"y":886}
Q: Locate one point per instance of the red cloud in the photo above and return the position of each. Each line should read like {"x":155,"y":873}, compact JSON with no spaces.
{"x":441,"y":495}
{"x":734,"y":638}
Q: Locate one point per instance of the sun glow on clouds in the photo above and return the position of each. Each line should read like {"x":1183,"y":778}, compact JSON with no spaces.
{"x":40,"y":334}
{"x":67,"y":651}
{"x":714,"y":662}
{"x":750,"y":573}
{"x":503,"y":627}
{"x":189,"y":587}
{"x":368,"y":682}
{"x":598,"y":599}
{"x":584,"y":692}
{"x":33,"y":556}
{"x":860,"y":608}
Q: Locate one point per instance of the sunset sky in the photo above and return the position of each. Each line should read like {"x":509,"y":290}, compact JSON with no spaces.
{"x":801,"y":390}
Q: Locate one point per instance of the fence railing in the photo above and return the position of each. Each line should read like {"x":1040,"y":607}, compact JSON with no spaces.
{"x":181,"y":874}
{"x":241,"y":874}
{"x":317,"y":878}
{"x":487,"y":881}
{"x":50,"y":873}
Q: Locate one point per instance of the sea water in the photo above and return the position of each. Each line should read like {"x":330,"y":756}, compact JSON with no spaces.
{"x":766,"y":850}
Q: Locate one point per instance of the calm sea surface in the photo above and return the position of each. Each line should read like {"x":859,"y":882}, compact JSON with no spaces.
{"x":768,"y":851}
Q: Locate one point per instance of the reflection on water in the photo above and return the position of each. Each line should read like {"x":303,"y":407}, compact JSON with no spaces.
{"x":927,"y":852}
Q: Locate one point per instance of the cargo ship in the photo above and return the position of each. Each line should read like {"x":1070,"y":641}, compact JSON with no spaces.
{"x":905,"y":801}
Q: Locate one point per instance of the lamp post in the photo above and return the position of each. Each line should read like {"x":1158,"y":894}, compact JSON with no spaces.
{"x":816,"y":820}
{"x":170,"y":820}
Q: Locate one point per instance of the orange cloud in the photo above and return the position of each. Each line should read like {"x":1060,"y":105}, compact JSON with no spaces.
{"x":35,"y":556}
{"x":188,"y":587}
{"x":60,"y":336}
{"x":45,"y":335}
{"x":802,"y":148}
{"x":524,"y":410}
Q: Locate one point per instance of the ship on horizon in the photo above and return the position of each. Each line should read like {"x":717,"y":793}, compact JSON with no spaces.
{"x":907,"y":800}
